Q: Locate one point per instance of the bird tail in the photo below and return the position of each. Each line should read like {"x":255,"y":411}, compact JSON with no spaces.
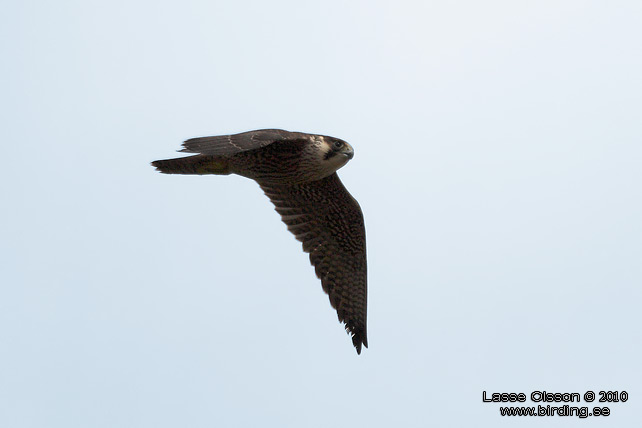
{"x":198,"y":164}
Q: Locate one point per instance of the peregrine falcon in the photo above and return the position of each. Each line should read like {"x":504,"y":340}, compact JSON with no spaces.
{"x":297,"y":172}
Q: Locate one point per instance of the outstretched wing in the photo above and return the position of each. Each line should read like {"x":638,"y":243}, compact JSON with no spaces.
{"x":227,"y":145}
{"x":329,"y":223}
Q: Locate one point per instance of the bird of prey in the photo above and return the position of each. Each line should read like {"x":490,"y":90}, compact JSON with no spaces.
{"x":297,"y":172}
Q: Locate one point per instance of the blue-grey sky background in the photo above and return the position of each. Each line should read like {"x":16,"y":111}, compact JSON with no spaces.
{"x":498,"y":154}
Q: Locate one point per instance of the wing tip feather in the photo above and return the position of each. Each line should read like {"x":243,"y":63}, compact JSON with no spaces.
{"x":359,"y":338}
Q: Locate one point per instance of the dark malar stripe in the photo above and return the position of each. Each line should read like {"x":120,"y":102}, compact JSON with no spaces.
{"x":330,"y":154}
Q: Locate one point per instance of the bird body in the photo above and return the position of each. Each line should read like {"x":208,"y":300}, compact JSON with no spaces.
{"x":297,"y":172}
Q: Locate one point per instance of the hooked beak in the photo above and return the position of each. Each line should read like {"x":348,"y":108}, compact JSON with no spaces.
{"x":348,"y":151}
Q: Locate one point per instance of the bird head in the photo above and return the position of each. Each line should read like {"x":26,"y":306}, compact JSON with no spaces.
{"x":325,"y":155}
{"x":337,"y":152}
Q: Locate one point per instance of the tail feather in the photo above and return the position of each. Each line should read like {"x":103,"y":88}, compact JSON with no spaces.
{"x":198,"y":165}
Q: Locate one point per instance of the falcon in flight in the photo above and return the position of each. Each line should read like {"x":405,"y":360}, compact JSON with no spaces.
{"x":297,"y":172}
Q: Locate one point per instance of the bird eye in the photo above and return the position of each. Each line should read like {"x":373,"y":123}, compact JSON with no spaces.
{"x":337,"y":145}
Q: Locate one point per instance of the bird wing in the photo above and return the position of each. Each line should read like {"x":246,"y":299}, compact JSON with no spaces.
{"x":329,"y":223}
{"x":227,"y":145}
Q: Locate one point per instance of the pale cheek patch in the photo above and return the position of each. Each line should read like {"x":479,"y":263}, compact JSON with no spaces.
{"x":323,"y":149}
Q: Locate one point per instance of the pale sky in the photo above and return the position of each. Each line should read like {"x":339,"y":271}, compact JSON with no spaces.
{"x":498,"y":162}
